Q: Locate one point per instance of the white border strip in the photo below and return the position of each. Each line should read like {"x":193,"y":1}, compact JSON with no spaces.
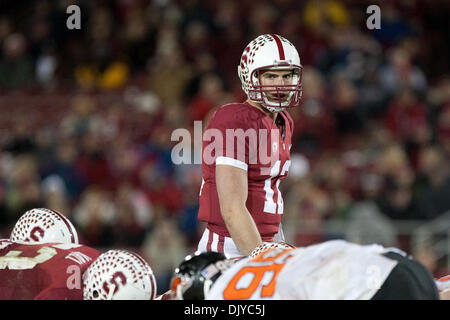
{"x":232,"y":162}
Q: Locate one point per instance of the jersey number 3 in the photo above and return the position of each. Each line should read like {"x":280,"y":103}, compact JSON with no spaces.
{"x":13,"y":261}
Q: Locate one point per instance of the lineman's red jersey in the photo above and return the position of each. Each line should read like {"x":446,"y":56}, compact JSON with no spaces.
{"x":48,"y":271}
{"x":267,"y":162}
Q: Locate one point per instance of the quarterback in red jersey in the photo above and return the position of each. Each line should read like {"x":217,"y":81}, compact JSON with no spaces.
{"x":249,"y":154}
{"x":44,"y":271}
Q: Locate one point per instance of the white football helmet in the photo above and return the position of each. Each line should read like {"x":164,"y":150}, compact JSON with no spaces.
{"x":44,"y":225}
{"x":270,"y":51}
{"x":269,"y":245}
{"x":119,"y":275}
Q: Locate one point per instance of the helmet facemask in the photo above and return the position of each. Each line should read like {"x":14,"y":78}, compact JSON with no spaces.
{"x":289,"y":95}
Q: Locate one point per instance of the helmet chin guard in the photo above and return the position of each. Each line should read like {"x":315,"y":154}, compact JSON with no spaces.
{"x":271,"y":52}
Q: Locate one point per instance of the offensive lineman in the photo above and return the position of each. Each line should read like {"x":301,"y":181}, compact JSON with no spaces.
{"x":42,"y":260}
{"x":240,"y":198}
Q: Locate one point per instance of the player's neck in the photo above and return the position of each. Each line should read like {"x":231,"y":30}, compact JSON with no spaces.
{"x":272,"y":115}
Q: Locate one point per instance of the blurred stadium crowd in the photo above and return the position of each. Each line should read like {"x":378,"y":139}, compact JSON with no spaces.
{"x":86,"y":115}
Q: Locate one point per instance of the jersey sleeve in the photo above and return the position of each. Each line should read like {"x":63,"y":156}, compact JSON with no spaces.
{"x":231,"y":138}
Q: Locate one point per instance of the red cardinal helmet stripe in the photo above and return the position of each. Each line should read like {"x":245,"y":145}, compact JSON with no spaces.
{"x":279,"y":45}
{"x":64,"y":219}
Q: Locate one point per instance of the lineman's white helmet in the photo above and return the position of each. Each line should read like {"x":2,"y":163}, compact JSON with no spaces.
{"x":42,"y":225}
{"x":119,"y":275}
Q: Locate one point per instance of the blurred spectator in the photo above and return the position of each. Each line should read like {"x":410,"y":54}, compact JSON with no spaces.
{"x":134,"y":215}
{"x":94,"y":216}
{"x":434,"y":196}
{"x":211,"y":94}
{"x":22,"y":141}
{"x":81,"y":117}
{"x":394,"y":26}
{"x":325,"y":14}
{"x":55,"y":194}
{"x":189,"y":177}
{"x":263,"y":18}
{"x":443,"y":129}
{"x":400,"y":73}
{"x":16,"y":68}
{"x":307,"y":206}
{"x":406,"y":118}
{"x":164,"y":248}
{"x":367,"y":225}
{"x":348,"y":113}
{"x":170,"y":76}
{"x":23,"y":187}
{"x":46,"y":65}
{"x":330,"y":175}
{"x":314,"y":122}
{"x":138,"y":39}
{"x":63,"y":165}
{"x":92,"y":162}
{"x":396,"y":198}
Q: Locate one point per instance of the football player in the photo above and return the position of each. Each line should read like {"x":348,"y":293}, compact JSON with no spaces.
{"x":189,"y":282}
{"x":43,"y":271}
{"x":333,"y":270}
{"x":42,"y":260}
{"x":240,"y":200}
{"x":194,"y":277}
{"x":58,"y":271}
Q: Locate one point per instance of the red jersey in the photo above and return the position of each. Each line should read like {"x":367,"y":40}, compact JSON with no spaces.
{"x":46,"y":271}
{"x":243,"y":136}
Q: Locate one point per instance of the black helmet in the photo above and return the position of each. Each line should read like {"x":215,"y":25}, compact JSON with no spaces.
{"x":195,"y":275}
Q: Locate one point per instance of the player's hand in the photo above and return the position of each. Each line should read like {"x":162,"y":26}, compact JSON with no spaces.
{"x":269,"y":245}
{"x":443,"y":285}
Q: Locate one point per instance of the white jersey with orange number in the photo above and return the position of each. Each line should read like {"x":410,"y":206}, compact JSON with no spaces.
{"x":333,"y":270}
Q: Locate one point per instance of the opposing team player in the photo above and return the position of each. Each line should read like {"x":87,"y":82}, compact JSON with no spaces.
{"x":333,"y":270}
{"x":196,"y":274}
{"x":188,"y":282}
{"x":246,"y":151}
